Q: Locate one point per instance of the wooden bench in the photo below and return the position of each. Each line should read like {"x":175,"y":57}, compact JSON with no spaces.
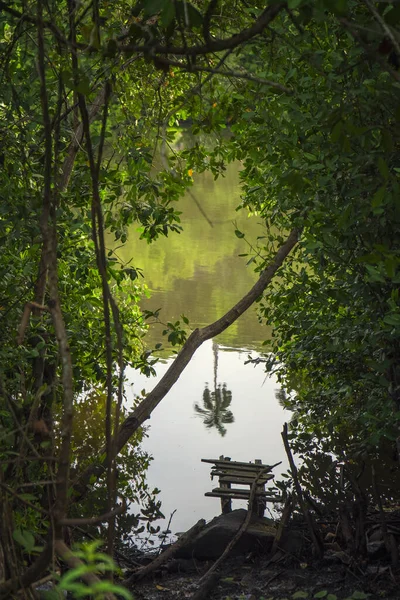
{"x":243,"y":474}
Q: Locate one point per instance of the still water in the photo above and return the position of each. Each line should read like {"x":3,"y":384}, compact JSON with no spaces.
{"x":200,"y":274}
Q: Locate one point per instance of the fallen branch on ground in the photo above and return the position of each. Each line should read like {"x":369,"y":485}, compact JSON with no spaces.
{"x":169,"y":553}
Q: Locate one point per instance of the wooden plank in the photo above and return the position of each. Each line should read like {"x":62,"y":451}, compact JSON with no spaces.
{"x":244,"y":496}
{"x":243,"y":480}
{"x":228,"y":492}
{"x":238,"y":465}
{"x":233,"y":469}
{"x":237,"y":477}
{"x":226,"y":501}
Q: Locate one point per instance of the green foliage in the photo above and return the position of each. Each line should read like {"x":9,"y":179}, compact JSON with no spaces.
{"x":326,"y":163}
{"x":93,"y":562}
{"x":319,"y":149}
{"x":175,"y":334}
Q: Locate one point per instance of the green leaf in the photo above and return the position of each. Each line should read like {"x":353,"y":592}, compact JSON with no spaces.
{"x":359,"y":595}
{"x":331,"y":597}
{"x":294,"y":3}
{"x":25,"y":538}
{"x":300,"y":594}
{"x":321,"y":594}
{"x":239,"y":234}
{"x":167,"y":14}
{"x":152,"y":7}
{"x":83,"y":86}
{"x":393,"y":319}
{"x":378,"y":197}
{"x":374,"y":274}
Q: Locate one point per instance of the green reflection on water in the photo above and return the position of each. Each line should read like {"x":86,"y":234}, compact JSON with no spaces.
{"x":198,"y":272}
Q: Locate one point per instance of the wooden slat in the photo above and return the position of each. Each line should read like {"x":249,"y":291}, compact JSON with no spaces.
{"x":244,"y":480}
{"x":251,"y":475}
{"x":229,"y":491}
{"x":238,"y":465}
{"x":242,"y":496}
{"x":241,"y":470}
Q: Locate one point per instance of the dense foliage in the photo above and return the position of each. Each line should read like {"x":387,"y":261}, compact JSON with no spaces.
{"x":327,"y":162}
{"x":305,"y":95}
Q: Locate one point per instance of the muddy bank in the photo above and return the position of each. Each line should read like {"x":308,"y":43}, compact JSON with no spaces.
{"x":250,"y":578}
{"x":257,"y":569}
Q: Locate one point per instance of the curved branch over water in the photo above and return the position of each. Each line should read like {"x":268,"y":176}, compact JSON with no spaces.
{"x":194,"y":341}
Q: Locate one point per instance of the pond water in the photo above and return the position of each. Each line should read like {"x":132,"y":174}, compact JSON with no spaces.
{"x":200,"y":274}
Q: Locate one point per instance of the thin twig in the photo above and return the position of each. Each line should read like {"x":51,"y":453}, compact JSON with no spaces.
{"x":95,"y":520}
{"x":23,"y":501}
{"x":319,"y":549}
{"x":192,"y":68}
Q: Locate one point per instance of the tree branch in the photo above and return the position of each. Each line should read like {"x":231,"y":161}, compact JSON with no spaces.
{"x":192,"y":68}
{"x":194,"y":341}
{"x":213,"y":45}
{"x":29,"y":19}
{"x":95,"y":520}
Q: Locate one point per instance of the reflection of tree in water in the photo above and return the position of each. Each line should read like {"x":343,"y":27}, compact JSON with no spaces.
{"x":282,"y":398}
{"x":215,"y":410}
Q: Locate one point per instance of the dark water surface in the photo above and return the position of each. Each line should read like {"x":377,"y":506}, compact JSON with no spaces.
{"x":199,"y":273}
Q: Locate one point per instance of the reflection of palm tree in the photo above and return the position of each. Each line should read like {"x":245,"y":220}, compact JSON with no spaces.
{"x":215,"y":411}
{"x":216,"y":403}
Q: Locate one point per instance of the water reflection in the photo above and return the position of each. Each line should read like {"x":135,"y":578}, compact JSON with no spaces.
{"x":202,"y":272}
{"x":215,"y":410}
{"x":178,"y":439}
{"x":199,"y":273}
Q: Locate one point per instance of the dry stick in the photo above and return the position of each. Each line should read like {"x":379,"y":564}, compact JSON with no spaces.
{"x":169,"y":553}
{"x":166,"y":531}
{"x":287,"y":511}
{"x":209,"y":580}
{"x":143,"y":411}
{"x":95,"y":520}
{"x":319,"y":549}
{"x":73,"y":562}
